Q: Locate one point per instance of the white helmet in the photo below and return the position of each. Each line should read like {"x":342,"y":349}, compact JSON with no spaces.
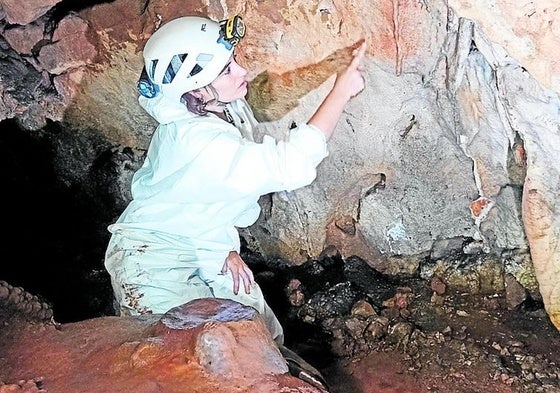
{"x":188,"y":53}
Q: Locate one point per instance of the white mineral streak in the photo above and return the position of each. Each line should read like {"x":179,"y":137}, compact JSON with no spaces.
{"x":529,"y":30}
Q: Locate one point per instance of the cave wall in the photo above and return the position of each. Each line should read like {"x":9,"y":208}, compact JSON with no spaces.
{"x":448,"y":158}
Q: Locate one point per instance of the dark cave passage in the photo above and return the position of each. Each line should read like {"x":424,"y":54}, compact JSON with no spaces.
{"x":53,"y":229}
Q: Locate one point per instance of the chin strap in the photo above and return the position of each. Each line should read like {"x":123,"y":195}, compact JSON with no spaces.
{"x":216,"y":101}
{"x":243,"y":119}
{"x":216,"y":97}
{"x":228,"y":115}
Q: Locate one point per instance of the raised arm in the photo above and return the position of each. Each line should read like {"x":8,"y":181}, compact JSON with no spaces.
{"x":347,"y":85}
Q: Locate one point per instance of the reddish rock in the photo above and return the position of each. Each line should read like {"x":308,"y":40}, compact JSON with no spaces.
{"x":401,"y":300}
{"x":295,"y":293}
{"x":70,"y":48}
{"x":480,"y":206}
{"x":24,"y":12}
{"x":438,"y":286}
{"x":363,"y":309}
{"x":516,"y":294}
{"x":207,"y":345}
{"x":347,"y":225}
{"x":23,"y":38}
{"x":67,"y":84}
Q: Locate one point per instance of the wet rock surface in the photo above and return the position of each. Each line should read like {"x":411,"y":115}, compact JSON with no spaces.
{"x":207,"y":345}
{"x":373,"y":333}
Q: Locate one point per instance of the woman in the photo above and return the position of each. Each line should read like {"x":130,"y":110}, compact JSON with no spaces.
{"x":177,"y":240}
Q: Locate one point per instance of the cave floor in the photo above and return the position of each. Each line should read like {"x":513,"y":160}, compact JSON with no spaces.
{"x":470,"y":344}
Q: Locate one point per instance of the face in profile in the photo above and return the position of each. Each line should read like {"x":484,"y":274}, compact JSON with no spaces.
{"x":231,"y":84}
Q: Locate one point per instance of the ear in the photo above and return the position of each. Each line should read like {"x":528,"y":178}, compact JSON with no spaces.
{"x":200,"y":93}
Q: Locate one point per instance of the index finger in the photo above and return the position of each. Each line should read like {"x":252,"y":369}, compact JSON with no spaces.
{"x":359,"y":55}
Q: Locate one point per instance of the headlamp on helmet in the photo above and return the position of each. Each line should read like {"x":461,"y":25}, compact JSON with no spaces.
{"x":232,"y":30}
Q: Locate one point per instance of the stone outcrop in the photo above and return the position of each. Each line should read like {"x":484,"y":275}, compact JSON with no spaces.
{"x":450,"y":151}
{"x":207,"y":345}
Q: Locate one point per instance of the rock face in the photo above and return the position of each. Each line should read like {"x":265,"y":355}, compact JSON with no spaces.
{"x":449,"y":156}
{"x":529,"y":31}
{"x":209,"y":345}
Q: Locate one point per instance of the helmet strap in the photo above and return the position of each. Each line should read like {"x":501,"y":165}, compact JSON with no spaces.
{"x":216,"y":97}
{"x":216,"y":103}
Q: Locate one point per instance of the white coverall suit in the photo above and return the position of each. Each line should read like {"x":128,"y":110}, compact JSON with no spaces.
{"x":200,"y":180}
